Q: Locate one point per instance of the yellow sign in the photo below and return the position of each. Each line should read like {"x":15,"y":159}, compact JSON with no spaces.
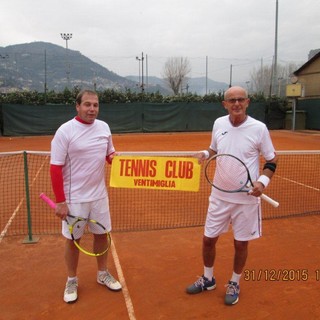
{"x":162,"y":173}
{"x":294,"y":90}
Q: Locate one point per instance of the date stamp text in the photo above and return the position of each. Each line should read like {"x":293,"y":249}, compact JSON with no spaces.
{"x":281,"y":275}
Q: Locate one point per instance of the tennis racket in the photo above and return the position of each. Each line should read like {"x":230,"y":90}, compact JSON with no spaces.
{"x":84,"y":228}
{"x":231,"y":175}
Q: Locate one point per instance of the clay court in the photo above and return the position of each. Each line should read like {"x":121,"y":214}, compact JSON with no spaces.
{"x":281,"y":279}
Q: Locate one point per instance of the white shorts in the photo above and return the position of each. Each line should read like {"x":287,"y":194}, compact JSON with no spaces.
{"x":244,"y":218}
{"x":97,"y":210}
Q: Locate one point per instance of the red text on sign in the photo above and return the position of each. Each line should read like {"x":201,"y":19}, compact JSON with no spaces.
{"x":138,"y":168}
{"x":179,"y":169}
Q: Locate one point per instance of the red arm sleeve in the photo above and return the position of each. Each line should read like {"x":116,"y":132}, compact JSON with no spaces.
{"x":109,"y":158}
{"x":57,"y":182}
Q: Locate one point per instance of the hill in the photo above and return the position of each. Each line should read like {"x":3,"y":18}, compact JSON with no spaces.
{"x":152,"y":84}
{"x":36,"y":65}
{"x":29,"y":66}
{"x":193,"y":85}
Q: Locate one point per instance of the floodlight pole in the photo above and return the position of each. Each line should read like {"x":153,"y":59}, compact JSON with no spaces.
{"x":275,"y":62}
{"x":137,"y":58}
{"x":66,"y":37}
{"x":4,"y":57}
{"x":142,"y":81}
{"x":279,"y":86}
{"x":206,"y":75}
{"x":230,"y":83}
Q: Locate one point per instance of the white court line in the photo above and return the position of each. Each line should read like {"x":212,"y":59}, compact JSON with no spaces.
{"x":4,"y":231}
{"x":125,"y":290}
{"x":299,"y":183}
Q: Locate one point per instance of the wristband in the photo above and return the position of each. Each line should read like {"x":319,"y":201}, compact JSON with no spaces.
{"x":264,"y":180}
{"x":206,"y":153}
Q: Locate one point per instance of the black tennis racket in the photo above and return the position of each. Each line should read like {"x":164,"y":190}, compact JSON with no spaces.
{"x":231,"y":175}
{"x":82,"y":230}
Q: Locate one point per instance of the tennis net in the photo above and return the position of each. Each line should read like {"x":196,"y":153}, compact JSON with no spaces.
{"x":25,"y":174}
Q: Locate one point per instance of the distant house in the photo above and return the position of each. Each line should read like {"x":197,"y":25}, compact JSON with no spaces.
{"x":309,"y":77}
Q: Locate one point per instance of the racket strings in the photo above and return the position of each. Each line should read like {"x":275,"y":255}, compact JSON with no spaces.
{"x":230,"y":175}
{"x":78,"y":228}
{"x":83,"y":231}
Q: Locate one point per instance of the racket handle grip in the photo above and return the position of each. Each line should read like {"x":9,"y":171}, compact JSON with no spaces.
{"x":269,"y":200}
{"x":46,"y":199}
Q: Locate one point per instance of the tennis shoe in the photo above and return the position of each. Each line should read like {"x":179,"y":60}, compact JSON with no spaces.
{"x":201,"y":284}
{"x":232,"y":294}
{"x":108,"y":280}
{"x":71,"y":291}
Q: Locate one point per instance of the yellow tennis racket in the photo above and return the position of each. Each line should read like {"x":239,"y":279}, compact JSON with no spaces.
{"x":83,"y":231}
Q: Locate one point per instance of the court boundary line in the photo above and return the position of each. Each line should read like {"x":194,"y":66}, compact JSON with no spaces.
{"x":299,"y":183}
{"x":4,"y":231}
{"x":125,"y":290}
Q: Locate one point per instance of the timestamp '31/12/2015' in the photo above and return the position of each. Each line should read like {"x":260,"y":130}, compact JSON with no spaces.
{"x":281,"y":274}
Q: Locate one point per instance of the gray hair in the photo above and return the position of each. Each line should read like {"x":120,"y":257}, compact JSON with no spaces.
{"x":226,"y":93}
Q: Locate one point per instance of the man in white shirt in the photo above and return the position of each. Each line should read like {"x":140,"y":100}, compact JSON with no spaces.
{"x":79,"y":150}
{"x":246,"y":138}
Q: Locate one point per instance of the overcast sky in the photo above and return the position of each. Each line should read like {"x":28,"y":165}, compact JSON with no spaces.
{"x":113,"y":33}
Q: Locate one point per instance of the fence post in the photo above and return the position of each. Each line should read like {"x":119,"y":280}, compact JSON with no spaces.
{"x":29,"y":238}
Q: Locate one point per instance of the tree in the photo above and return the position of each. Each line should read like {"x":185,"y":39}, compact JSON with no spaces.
{"x":175,"y":72}
{"x":261,"y":78}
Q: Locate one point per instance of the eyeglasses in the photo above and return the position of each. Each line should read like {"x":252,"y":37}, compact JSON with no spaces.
{"x":240,"y":100}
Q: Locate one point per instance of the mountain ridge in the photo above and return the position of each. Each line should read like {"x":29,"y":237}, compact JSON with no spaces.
{"x":39,"y":65}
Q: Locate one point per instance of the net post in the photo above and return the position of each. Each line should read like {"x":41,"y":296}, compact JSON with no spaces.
{"x":29,"y":238}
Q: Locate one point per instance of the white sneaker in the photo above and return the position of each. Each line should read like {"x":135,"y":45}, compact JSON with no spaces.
{"x":108,"y":280}
{"x":70,"y":292}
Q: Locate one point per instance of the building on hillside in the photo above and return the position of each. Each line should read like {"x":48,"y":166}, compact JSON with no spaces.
{"x":308,"y":75}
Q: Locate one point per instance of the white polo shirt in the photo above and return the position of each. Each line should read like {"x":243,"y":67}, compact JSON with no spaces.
{"x":82,"y":149}
{"x":247,"y":142}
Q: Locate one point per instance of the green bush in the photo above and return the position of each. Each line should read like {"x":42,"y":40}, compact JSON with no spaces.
{"x":109,"y":96}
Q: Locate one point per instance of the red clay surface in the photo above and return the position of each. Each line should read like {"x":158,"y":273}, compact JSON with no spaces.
{"x":281,"y":279}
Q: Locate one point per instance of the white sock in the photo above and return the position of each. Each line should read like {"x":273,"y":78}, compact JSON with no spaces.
{"x":208,"y":273}
{"x":235,"y":277}
{"x":100,"y":272}
{"x":72,"y":278}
